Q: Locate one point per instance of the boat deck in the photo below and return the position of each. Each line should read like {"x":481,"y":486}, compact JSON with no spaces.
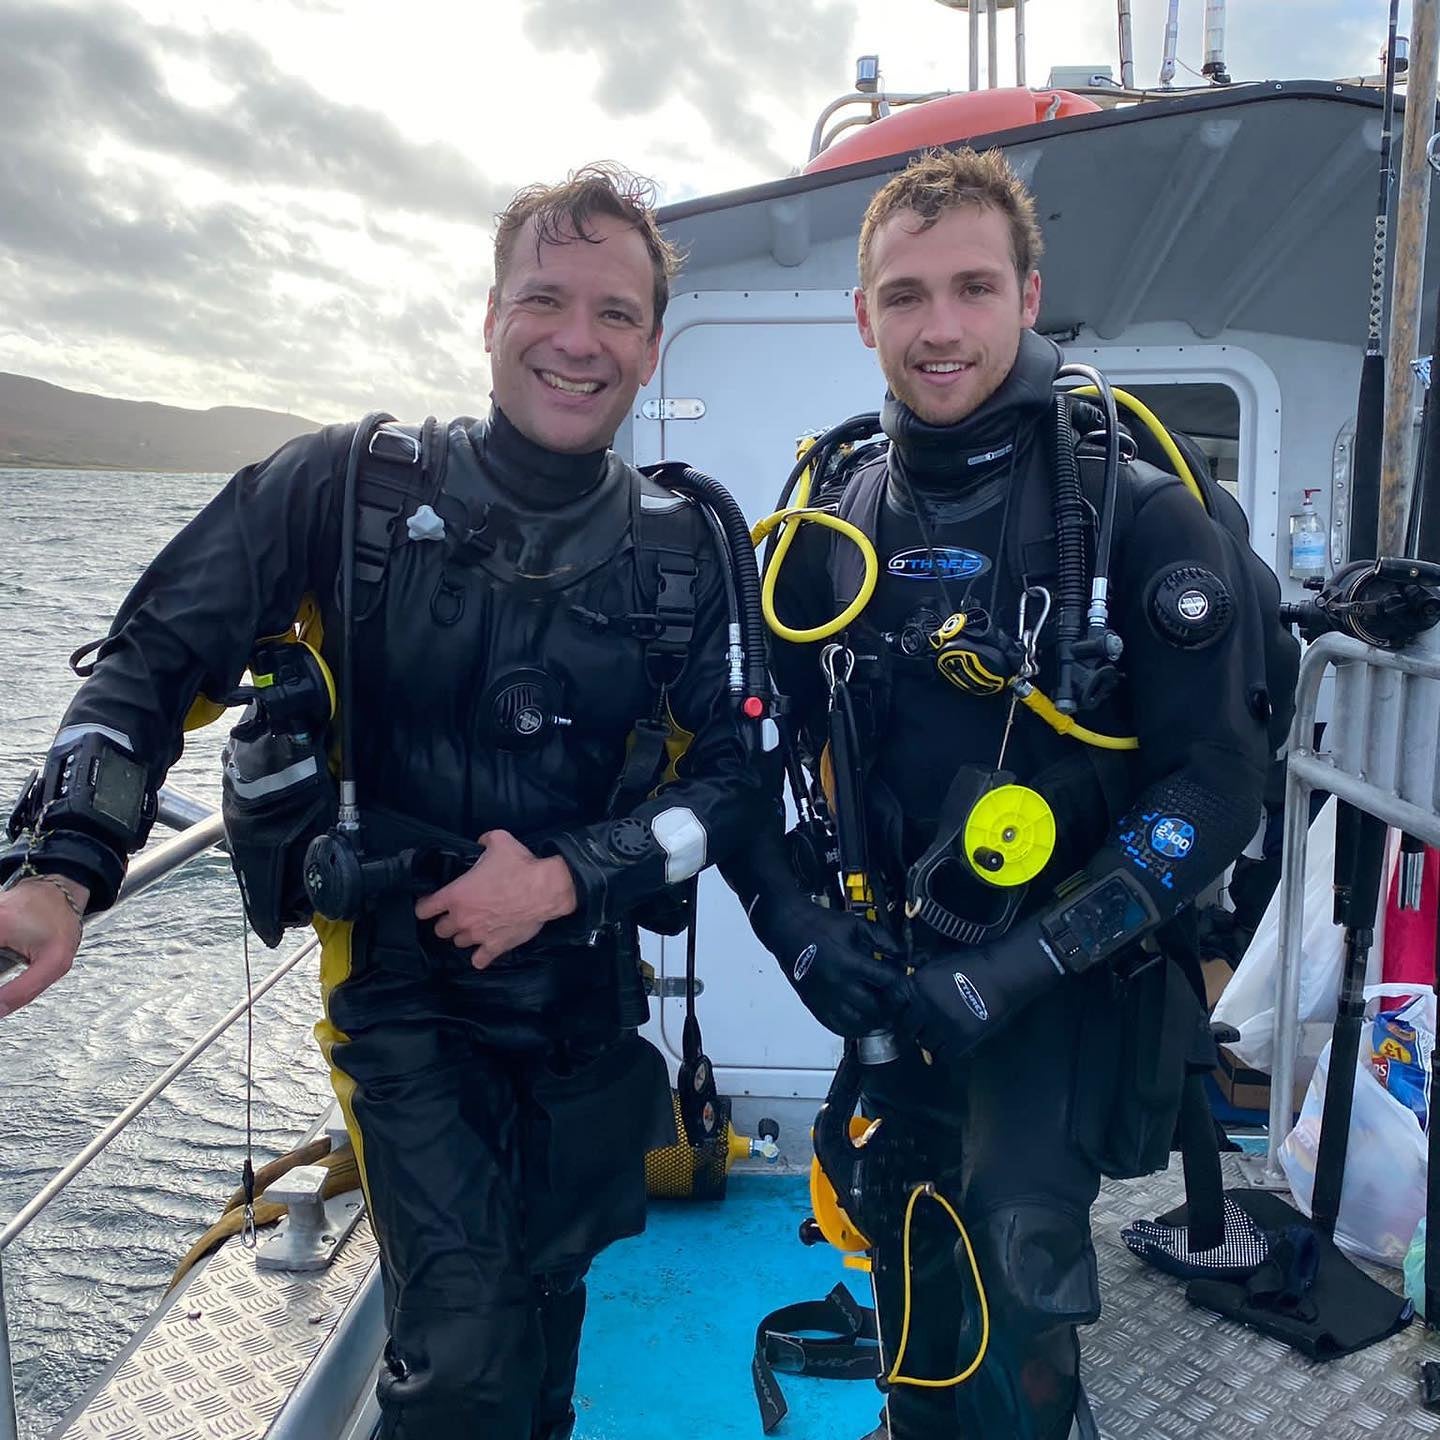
{"x":673,"y":1316}
{"x":670,"y":1332}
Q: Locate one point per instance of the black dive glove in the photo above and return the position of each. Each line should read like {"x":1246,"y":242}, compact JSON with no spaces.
{"x":958,"y":998}
{"x":830,"y":957}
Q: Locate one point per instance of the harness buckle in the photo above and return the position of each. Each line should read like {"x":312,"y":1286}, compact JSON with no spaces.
{"x":397,"y":445}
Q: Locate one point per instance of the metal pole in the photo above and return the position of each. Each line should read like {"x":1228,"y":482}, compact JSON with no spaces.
{"x":179,"y":810}
{"x":1172,"y":44}
{"x":992,"y":20}
{"x":1359,"y":869}
{"x":1127,"y":42}
{"x":9,"y":1420}
{"x":1287,"y":988}
{"x":974,"y":13}
{"x":1020,"y":43}
{"x":1364,"y":510}
{"x":1432,"y":1173}
{"x":1412,"y":216}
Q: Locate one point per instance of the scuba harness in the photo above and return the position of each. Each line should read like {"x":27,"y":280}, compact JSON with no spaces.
{"x":990,"y":829}
{"x":310,"y":852}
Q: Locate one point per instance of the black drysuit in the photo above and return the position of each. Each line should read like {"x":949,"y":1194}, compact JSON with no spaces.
{"x":1002,"y":1128}
{"x":500,"y":1116}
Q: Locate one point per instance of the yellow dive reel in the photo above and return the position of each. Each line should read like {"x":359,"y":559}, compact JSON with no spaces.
{"x":991,"y":830}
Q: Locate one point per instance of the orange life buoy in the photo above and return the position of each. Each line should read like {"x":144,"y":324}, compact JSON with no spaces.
{"x":948,"y":119}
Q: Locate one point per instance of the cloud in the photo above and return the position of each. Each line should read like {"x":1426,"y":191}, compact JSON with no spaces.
{"x":735,"y":62}
{"x":79,"y":71}
{"x":257,"y":235}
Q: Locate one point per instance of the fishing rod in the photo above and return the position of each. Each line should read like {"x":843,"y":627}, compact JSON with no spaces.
{"x":1370,"y":408}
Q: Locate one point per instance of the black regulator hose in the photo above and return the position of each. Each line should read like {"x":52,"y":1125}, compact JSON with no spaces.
{"x":1092,"y":376}
{"x":857,"y":427}
{"x":744,"y":571}
{"x":1071,"y":524}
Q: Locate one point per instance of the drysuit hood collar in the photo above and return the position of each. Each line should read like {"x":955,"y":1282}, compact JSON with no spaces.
{"x":538,"y":477}
{"x":957,"y":458}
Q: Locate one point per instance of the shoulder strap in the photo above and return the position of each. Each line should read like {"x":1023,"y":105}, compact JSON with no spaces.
{"x":665,"y":560}
{"x":402,"y":464}
{"x":667,"y":575}
{"x":859,"y":503}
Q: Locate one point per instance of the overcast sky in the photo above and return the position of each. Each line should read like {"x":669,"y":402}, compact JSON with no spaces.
{"x":289,"y":203}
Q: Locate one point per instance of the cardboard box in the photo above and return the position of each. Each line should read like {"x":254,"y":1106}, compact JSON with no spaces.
{"x":1248,"y":1089}
{"x":1242,"y":1087}
{"x":1218,"y":974}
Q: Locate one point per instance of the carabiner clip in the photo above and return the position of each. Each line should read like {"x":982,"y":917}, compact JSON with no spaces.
{"x":1029,"y":639}
{"x":830,"y":662}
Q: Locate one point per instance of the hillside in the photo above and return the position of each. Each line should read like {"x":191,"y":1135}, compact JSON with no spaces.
{"x":44,"y":425}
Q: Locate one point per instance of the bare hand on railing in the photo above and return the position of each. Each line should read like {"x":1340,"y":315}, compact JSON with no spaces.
{"x":41,"y":929}
{"x":501,"y":901}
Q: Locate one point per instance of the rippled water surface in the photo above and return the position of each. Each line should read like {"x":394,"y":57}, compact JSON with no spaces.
{"x":97,"y":1261}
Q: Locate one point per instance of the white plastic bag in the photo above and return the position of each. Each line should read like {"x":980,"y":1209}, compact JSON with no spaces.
{"x":1248,"y":1002}
{"x":1383,"y":1196}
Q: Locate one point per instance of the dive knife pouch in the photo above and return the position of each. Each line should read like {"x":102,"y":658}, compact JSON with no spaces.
{"x":587,"y":1117}
{"x":276,"y":795}
{"x":1144,"y":1029}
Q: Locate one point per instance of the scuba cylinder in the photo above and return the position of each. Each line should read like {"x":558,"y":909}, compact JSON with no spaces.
{"x":687,"y":1170}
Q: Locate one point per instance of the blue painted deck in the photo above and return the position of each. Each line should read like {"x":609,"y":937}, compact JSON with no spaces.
{"x":671,"y":1324}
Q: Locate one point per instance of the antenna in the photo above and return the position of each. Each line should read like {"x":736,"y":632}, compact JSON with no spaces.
{"x":991,"y":10}
{"x":1172,"y":45}
{"x":1127,"y":43}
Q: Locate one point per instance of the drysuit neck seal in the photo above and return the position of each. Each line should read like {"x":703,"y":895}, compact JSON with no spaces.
{"x":536,"y":477}
{"x":950,"y":462}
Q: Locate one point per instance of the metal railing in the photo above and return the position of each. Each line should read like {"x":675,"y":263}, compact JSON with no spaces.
{"x":201,"y":832}
{"x":1384,"y":763}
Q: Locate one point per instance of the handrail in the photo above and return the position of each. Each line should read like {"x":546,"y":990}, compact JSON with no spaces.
{"x":200,"y":829}
{"x":153,"y":865}
{"x":1307,"y":771}
{"x":875,"y":100}
{"x":179,"y":809}
{"x":62,"y":1177}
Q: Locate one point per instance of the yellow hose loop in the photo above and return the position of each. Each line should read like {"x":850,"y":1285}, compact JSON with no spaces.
{"x":895,"y":1377}
{"x":792,"y":519}
{"x":1157,"y":429}
{"x":1044,"y":707}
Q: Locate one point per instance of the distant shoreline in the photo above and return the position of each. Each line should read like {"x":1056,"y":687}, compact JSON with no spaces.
{"x":46,"y":427}
{"x":99,"y":468}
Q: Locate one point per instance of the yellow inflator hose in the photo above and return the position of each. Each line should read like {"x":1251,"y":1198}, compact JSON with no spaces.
{"x":789,"y":521}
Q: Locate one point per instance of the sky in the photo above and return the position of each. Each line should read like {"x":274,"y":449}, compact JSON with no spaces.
{"x":290,"y":203}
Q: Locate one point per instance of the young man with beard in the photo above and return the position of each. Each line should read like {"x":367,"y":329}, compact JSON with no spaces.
{"x":518,"y":618}
{"x":1004,"y":1033}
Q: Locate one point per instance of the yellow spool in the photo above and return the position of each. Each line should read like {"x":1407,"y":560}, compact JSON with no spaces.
{"x":1014,"y":822}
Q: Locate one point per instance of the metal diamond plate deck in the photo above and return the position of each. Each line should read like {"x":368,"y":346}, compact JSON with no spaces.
{"x":1157,"y":1368}
{"x":222,"y":1359}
